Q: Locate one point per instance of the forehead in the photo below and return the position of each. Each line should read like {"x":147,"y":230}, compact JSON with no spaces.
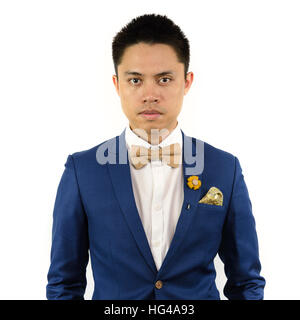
{"x":150,"y":58}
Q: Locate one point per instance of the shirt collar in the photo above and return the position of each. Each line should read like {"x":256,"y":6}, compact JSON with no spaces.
{"x":132,"y":138}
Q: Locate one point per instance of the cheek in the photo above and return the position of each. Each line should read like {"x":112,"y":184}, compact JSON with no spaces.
{"x":127,"y":94}
{"x":176,"y":91}
{"x":175,"y":96}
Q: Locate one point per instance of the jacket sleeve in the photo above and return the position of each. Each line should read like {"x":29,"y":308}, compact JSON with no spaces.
{"x":69,"y":250}
{"x":239,"y":245}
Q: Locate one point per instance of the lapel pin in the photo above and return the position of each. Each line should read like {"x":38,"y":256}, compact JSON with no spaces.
{"x":193,"y":182}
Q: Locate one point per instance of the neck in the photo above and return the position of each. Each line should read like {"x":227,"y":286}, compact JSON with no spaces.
{"x":153,"y":136}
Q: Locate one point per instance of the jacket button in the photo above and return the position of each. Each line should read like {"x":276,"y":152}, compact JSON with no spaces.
{"x":158,"y":284}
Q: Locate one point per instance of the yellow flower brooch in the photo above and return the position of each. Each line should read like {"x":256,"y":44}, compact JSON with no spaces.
{"x":193,"y":182}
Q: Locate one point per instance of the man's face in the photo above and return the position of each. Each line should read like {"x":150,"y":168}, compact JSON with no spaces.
{"x":151,"y":78}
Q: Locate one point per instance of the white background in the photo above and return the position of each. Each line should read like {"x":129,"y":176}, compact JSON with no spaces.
{"x":57,"y":97}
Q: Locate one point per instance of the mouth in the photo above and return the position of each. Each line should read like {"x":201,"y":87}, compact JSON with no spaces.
{"x":150,"y":114}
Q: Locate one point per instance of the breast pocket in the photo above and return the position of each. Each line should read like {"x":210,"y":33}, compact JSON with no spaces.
{"x":213,"y":207}
{"x":207,"y":225}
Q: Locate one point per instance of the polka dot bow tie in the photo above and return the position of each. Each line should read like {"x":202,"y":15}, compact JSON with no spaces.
{"x":140,"y":156}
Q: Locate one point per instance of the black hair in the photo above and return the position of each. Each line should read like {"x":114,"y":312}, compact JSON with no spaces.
{"x":151,"y":29}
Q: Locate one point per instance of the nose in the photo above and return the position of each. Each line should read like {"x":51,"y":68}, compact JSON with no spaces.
{"x":150,"y":99}
{"x":150,"y":95}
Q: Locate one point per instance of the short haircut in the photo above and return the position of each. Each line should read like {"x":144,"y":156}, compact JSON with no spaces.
{"x":151,"y":29}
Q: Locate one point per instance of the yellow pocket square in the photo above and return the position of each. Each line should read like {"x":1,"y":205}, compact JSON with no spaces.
{"x":213,"y":196}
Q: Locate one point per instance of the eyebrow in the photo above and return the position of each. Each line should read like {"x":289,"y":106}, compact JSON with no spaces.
{"x":134,"y":73}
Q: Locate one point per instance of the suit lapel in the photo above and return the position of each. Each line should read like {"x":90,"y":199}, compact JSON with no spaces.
{"x":121,"y":180}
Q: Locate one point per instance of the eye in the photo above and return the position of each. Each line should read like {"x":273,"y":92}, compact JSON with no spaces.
{"x":165,"y":79}
{"x":134,"y":82}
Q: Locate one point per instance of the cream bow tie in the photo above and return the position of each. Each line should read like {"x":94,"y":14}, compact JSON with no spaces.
{"x":140,"y":156}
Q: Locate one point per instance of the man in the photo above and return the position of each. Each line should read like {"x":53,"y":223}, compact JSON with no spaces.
{"x":152,"y":205}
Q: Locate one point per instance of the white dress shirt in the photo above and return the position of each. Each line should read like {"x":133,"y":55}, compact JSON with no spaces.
{"x":158,"y":191}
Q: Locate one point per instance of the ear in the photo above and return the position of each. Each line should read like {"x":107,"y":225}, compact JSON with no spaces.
{"x":116,"y":83}
{"x":188,"y":82}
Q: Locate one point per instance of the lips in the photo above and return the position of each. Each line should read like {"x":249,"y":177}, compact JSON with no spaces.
{"x":150,"y":112}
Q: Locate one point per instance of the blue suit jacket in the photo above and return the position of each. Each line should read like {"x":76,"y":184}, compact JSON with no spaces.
{"x":95,"y":212}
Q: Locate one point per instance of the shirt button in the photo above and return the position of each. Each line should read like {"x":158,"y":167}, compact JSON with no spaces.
{"x":158,"y":284}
